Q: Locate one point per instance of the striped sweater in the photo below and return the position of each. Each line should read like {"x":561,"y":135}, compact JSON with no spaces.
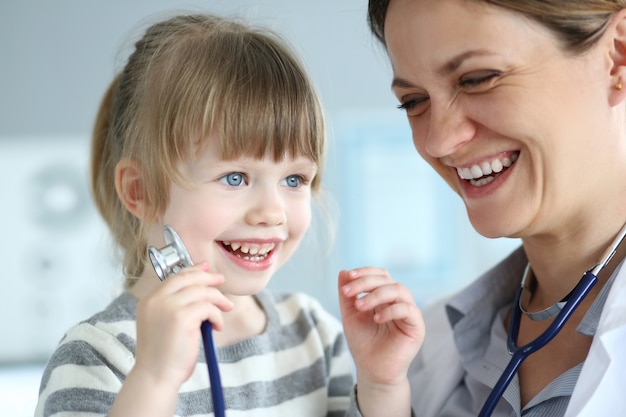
{"x":299,"y":366}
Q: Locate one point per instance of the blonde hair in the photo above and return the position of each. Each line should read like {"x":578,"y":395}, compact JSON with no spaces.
{"x":578,"y":24}
{"x":191,"y":76}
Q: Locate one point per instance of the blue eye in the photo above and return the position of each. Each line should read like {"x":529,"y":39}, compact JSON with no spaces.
{"x":234,"y":179}
{"x":294,"y":181}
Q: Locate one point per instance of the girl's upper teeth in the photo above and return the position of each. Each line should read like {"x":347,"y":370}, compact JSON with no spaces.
{"x":262,"y":249}
{"x":486,"y":168}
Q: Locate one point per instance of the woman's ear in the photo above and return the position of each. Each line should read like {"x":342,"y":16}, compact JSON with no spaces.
{"x":617,"y":28}
{"x":129,"y":184}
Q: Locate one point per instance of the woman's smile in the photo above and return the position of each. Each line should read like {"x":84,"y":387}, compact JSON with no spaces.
{"x":483,"y":173}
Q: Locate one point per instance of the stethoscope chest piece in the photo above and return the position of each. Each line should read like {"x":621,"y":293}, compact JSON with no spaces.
{"x":170,"y":259}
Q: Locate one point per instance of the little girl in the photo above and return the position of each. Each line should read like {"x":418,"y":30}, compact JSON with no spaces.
{"x":214,"y":128}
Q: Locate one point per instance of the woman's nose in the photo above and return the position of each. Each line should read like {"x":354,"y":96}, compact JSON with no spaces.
{"x":268,"y":210}
{"x":448,"y":129}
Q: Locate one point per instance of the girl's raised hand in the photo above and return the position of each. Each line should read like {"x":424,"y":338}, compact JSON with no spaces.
{"x":169,"y":319}
{"x":383,"y":326}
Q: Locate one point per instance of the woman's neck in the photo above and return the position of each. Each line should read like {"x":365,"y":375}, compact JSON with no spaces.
{"x":559,"y":263}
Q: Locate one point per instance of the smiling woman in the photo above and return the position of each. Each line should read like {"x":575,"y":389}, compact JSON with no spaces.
{"x":460,"y":95}
{"x":521,"y":110}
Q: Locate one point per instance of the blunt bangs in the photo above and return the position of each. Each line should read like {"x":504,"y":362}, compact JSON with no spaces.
{"x":240,"y":86}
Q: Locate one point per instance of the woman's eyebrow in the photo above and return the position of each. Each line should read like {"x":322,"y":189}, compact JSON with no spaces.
{"x":447,"y":68}
{"x":453,"y":64}
{"x":401,"y":83}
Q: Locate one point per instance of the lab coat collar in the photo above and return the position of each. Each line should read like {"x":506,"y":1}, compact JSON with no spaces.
{"x":600,"y":387}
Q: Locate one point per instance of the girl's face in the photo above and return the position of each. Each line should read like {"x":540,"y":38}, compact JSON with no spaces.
{"x":521,"y":131}
{"x":246,"y":217}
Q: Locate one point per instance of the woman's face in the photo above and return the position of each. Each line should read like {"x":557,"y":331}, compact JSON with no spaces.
{"x":521,"y":131}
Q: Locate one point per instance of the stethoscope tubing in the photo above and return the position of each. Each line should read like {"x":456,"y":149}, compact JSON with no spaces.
{"x":519,"y":354}
{"x":217,"y":392}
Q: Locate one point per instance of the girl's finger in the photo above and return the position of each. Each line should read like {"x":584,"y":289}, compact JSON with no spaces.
{"x":199,"y":294}
{"x":407,"y":312}
{"x":200,"y":312}
{"x":362,"y":283}
{"x":390,"y":293}
{"x":192,"y":276}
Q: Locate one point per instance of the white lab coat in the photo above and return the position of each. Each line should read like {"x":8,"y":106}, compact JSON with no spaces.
{"x":601,"y":386}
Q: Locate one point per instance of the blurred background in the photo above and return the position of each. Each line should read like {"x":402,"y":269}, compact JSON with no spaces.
{"x":387,"y":207}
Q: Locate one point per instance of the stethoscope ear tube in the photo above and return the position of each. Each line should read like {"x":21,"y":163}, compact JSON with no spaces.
{"x":168,"y":261}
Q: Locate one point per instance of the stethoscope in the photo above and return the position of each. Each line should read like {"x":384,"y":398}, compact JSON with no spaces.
{"x":519,"y":353}
{"x":168,"y":261}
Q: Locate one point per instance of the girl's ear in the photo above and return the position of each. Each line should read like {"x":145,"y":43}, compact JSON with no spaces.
{"x":617,"y":58}
{"x":129,"y":184}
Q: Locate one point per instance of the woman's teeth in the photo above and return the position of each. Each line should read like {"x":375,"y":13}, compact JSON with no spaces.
{"x":480,"y":174}
{"x":250,"y":252}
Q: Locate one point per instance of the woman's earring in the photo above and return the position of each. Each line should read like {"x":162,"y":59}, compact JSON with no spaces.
{"x":618,"y":85}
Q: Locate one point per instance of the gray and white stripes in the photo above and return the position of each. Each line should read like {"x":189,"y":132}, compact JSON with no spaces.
{"x":299,"y":366}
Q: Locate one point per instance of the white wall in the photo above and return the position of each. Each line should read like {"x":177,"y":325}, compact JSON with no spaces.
{"x":58,"y":56}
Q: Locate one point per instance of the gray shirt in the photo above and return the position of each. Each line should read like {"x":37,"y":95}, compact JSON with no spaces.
{"x":298,"y":366}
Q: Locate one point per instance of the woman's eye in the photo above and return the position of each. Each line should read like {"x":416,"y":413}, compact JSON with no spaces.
{"x":294,"y":181}
{"x":234,"y":179}
{"x":413,"y":105}
{"x":478,"y":78}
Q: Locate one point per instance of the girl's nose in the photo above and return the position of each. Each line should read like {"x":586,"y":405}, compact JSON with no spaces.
{"x":448,"y":129}
{"x":268,"y":210}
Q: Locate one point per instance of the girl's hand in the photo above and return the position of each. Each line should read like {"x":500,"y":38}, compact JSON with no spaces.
{"x":168,"y":323}
{"x":383,"y":326}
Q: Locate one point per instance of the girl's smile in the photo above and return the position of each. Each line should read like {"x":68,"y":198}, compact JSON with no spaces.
{"x":252,"y":256}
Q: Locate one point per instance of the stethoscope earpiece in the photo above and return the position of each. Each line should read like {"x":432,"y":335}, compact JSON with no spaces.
{"x":170,"y":259}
